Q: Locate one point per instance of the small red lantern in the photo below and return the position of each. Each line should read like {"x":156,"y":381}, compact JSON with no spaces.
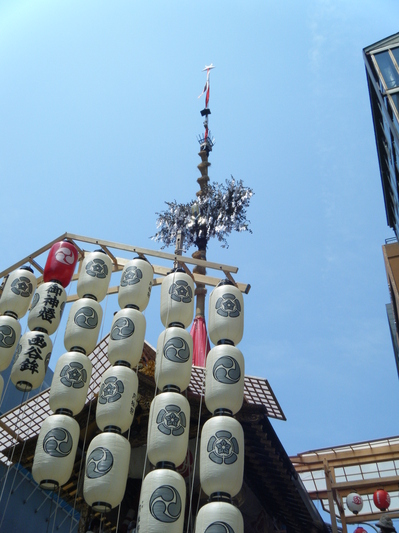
{"x":360,"y":529}
{"x":381,"y":499}
{"x":61,"y":262}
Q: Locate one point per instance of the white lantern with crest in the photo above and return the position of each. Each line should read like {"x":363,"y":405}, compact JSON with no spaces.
{"x":18,"y":291}
{"x":224,"y":382}
{"x":83,"y":325}
{"x":162,"y":502}
{"x":174,"y":358}
{"x":117,"y":399}
{"x":168,"y":429}
{"x":107,"y":466}
{"x":95,"y":275}
{"x":177,"y":299}
{"x":55,"y":451}
{"x":226,"y":314}
{"x":220,"y":517}
{"x":70,"y":383}
{"x":222,"y":456}
{"x":126,"y":338}
{"x":10,"y":332}
{"x":136,"y":283}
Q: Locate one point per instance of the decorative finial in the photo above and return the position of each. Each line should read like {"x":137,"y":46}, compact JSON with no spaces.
{"x":206,"y":142}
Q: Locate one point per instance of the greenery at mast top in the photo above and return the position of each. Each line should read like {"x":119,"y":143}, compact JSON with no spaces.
{"x":216,"y":212}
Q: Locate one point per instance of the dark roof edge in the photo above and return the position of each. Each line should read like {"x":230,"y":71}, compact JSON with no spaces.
{"x":388,"y":41}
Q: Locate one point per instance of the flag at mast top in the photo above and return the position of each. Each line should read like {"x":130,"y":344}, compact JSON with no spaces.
{"x":208,"y":69}
{"x":205,"y":141}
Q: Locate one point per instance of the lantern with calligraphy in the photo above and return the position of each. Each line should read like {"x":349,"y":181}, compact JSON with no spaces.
{"x":226,"y":314}
{"x":31,"y":362}
{"x":177,"y":299}
{"x":17,"y":292}
{"x":381,"y":499}
{"x":136,"y":283}
{"x":47,"y":307}
{"x":61,"y":262}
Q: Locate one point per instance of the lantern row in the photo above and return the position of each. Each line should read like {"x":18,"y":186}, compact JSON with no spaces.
{"x":162,"y":500}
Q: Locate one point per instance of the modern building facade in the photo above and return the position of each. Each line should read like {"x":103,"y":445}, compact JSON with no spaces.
{"x":382,"y":70}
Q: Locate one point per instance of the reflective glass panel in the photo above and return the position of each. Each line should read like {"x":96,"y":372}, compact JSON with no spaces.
{"x":388,"y":70}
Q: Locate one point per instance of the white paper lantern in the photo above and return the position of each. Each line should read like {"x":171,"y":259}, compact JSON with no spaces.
{"x":226,"y":314}
{"x":162,"y":502}
{"x":126,"y":338}
{"x":219,"y":517}
{"x":174,"y":358}
{"x":177,"y":299}
{"x":31,"y":361}
{"x":70,"y":383}
{"x":222,"y":456}
{"x":95,"y":275}
{"x":10,"y":331}
{"x":107,"y":466}
{"x":354,"y":502}
{"x":18,"y":291}
{"x":117,"y":398}
{"x":136,"y":283}
{"x":47,"y":307}
{"x":224,"y":382}
{"x":83,"y":325}
{"x":168,"y":428}
{"x":55,"y":451}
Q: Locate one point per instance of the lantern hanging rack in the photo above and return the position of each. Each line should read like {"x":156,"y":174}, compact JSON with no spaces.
{"x":119,"y":262}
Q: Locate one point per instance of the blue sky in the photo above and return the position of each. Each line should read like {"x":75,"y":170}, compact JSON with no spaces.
{"x":99,"y":117}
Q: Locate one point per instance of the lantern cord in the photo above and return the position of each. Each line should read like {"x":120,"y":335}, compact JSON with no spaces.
{"x":120,"y":505}
{"x":81,"y":464}
{"x":12,"y":453}
{"x":48,"y":519}
{"x":55,"y":510}
{"x":190,"y":525}
{"x":20,"y":411}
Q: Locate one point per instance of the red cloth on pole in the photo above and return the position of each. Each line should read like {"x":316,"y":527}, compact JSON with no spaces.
{"x":201,"y":344}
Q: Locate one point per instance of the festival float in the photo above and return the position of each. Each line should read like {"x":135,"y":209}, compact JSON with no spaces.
{"x":129,"y":437}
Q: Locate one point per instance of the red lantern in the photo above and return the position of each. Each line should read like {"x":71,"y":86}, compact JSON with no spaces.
{"x":360,"y":529}
{"x":381,"y":499}
{"x":60,"y":264}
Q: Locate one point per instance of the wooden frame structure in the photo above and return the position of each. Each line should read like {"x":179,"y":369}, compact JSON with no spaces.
{"x":119,"y":262}
{"x":330,"y":474}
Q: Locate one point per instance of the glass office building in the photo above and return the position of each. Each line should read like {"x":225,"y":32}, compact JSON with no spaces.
{"x":382,"y":69}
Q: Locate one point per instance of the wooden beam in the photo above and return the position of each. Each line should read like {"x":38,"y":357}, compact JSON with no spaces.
{"x":31,"y":256}
{"x":356,"y":456}
{"x":153,"y":253}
